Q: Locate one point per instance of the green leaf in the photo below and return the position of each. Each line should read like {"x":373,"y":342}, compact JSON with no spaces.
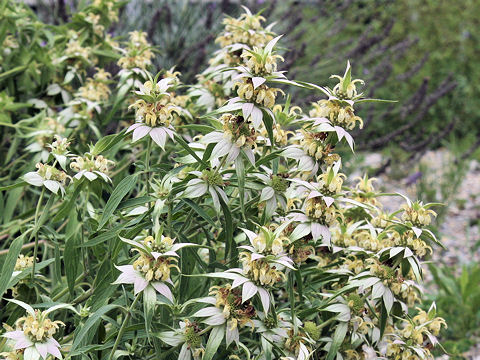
{"x":189,"y":150}
{"x":99,"y":239}
{"x":228,"y":229}
{"x":204,"y":129}
{"x":9,"y":264}
{"x":240,"y":170}
{"x":338,"y":337}
{"x":45,"y":214}
{"x":89,"y":328}
{"x":12,"y":72}
{"x":67,"y":206}
{"x":71,"y":256}
{"x":107,"y":53}
{"x":383,"y":319}
{"x":12,"y":201}
{"x":149,"y":301}
{"x":107,"y":142}
{"x":122,"y":189}
{"x":347,"y":77}
{"x":200,"y":211}
{"x":13,"y":186}
{"x":214,"y":341}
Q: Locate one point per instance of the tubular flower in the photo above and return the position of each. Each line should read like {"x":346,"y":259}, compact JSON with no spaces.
{"x":315,"y":146}
{"x":279,"y":135}
{"x":96,"y":89}
{"x":59,"y":150}
{"x":23,"y":262}
{"x":417,"y":213}
{"x":365,"y":192}
{"x":317,"y":209}
{"x":258,"y":64}
{"x":34,"y":334}
{"x":331,"y":181}
{"x":261,"y":95}
{"x":338,"y":115}
{"x":346,"y":88}
{"x":138,"y":53}
{"x":75,"y":49}
{"x":153,"y":266}
{"x":295,"y":344}
{"x":91,"y":167}
{"x":148,"y":271}
{"x":155,"y":114}
{"x":260,"y":271}
{"x":247,"y":29}
{"x":230,"y":309}
{"x":238,"y":135}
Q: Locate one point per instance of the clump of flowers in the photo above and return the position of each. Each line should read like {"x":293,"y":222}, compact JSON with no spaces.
{"x":243,"y":238}
{"x":91,"y":167}
{"x":261,"y":95}
{"x":23,"y":262}
{"x":48,"y":176}
{"x":417,"y":213}
{"x":33,"y":334}
{"x":154,"y":112}
{"x":96,"y":88}
{"x":138,"y":53}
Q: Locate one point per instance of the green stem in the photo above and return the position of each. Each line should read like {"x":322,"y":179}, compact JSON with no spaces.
{"x":123,"y":327}
{"x":322,"y":325}
{"x":221,"y":165}
{"x":147,"y":171}
{"x":35,"y":249}
{"x":85,"y":250}
{"x":169,"y":218}
{"x":65,"y":289}
{"x":205,"y":330}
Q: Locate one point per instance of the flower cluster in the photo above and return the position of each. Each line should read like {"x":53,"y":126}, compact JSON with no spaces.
{"x":33,"y":334}
{"x":138,"y":53}
{"x":91,"y":167}
{"x":241,"y":238}
{"x":154,"y":112}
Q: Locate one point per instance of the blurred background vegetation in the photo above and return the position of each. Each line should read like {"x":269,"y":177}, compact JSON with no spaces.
{"x":422,"y":53}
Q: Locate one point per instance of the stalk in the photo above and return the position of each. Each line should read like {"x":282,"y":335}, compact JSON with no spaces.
{"x":124,"y":325}
{"x":35,"y":248}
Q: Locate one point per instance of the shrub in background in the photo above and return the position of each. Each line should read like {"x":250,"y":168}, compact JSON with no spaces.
{"x":147,"y":218}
